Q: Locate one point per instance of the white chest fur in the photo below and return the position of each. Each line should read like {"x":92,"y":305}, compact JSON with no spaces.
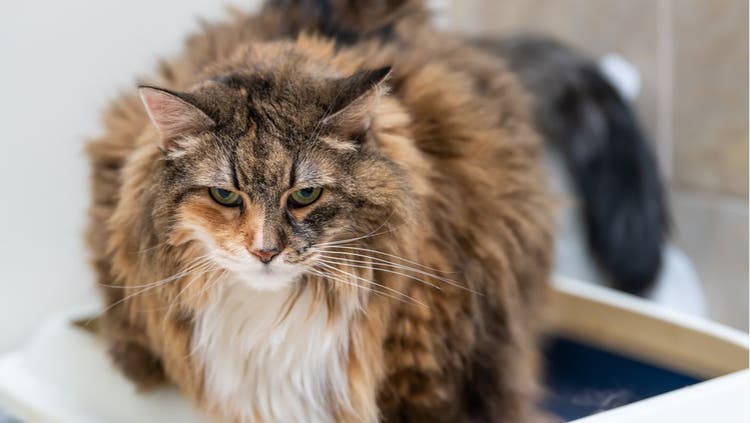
{"x":261,"y":367}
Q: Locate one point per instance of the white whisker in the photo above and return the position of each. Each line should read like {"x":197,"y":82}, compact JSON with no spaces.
{"x":381,"y":269}
{"x":362,"y":249}
{"x":327,"y":275}
{"x":150,"y":286}
{"x":402,"y":267}
{"x":327,"y":254}
{"x":373,"y":283}
{"x":211,"y":268}
{"x":369,"y":235}
{"x":381,"y":262}
{"x":200,"y":261}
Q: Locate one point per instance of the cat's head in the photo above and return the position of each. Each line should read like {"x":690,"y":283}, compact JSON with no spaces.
{"x":265,"y":166}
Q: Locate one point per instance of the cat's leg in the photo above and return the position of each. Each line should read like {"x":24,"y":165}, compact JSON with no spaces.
{"x":422,"y":363}
{"x":501,"y":385}
{"x":441,"y":367}
{"x":138,"y":364}
{"x":129,"y":349}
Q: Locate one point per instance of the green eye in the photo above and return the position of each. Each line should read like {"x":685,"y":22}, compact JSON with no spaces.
{"x":225,"y":198}
{"x":304,"y":197}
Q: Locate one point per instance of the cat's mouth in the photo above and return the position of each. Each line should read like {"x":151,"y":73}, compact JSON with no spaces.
{"x":272,"y":276}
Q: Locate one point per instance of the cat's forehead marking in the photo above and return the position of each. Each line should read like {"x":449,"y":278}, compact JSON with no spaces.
{"x":285,"y":123}
{"x":262,"y":167}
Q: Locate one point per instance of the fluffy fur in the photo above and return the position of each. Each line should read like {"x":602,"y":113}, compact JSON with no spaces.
{"x":586,"y":122}
{"x":292,"y":368}
{"x":410,"y":291}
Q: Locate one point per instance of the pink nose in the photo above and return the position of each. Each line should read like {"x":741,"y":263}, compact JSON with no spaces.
{"x":265,"y":255}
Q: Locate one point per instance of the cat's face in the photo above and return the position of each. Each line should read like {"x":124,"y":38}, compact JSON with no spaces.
{"x":264,"y":172}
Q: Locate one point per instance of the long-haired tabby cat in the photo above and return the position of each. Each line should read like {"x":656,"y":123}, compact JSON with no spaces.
{"x":295,"y":221}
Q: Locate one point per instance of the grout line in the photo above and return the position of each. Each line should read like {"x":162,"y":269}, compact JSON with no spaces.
{"x":665,"y":94}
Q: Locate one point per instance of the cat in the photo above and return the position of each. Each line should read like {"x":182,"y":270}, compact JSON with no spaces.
{"x":300,"y":220}
{"x":589,"y":127}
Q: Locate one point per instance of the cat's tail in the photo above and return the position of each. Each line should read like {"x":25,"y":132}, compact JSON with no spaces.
{"x":585,"y":120}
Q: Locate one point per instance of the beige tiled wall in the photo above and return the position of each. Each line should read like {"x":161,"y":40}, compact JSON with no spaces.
{"x":710,"y":96}
{"x":693,"y":59}
{"x":713,"y":232}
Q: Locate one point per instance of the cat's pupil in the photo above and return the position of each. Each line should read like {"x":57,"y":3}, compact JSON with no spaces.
{"x":306,"y":192}
{"x":223,"y":193}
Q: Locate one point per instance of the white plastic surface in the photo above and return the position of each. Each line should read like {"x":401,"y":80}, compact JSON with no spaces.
{"x":65,"y":375}
{"x":721,"y":400}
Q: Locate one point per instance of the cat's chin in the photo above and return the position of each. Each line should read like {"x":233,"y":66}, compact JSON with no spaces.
{"x":266,"y":278}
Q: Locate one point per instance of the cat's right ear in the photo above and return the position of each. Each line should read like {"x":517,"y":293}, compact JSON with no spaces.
{"x":172,"y":114}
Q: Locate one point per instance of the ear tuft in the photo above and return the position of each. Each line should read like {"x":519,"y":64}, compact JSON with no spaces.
{"x":350,"y":89}
{"x":352,"y":99}
{"x":172,"y":114}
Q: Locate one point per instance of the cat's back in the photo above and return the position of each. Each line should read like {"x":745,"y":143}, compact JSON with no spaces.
{"x":471,"y":118}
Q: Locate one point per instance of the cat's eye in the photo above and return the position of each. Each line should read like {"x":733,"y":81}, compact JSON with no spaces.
{"x":225,"y":197}
{"x":304,"y":197}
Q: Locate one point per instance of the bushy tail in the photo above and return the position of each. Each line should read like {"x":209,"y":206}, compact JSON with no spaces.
{"x":584,"y":118}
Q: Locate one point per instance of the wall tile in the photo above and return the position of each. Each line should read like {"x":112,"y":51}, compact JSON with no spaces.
{"x":713,"y":231}
{"x":711,"y":95}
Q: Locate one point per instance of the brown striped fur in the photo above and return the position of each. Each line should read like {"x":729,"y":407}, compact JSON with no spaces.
{"x":447,"y":172}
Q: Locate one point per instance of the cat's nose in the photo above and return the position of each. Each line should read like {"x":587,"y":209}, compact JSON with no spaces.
{"x":265,"y":255}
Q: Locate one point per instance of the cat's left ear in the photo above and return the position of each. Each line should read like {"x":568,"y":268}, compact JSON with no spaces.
{"x":173,"y":114}
{"x":352,"y":97}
